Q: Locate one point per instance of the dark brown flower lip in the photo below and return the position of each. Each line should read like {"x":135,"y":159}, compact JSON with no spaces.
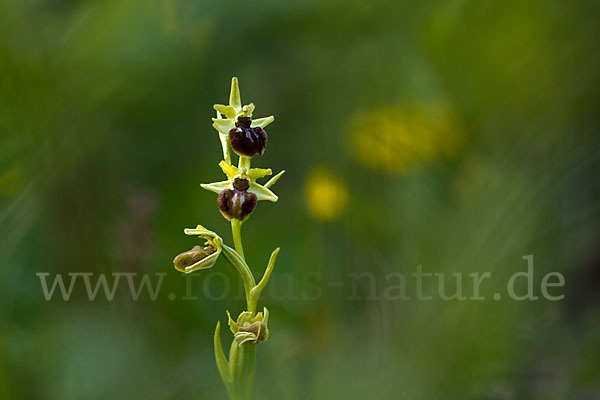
{"x":248,"y":141}
{"x":236,"y":204}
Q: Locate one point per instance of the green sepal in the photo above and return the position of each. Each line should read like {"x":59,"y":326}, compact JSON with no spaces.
{"x":216,"y":187}
{"x":223,"y":125}
{"x":262,"y":193}
{"x":235,"y":100}
{"x":233,"y":326}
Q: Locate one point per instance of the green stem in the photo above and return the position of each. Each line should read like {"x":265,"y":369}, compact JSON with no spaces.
{"x":244,"y":162}
{"x":233,"y":366}
{"x":236,"y":230}
{"x":242,"y":359}
{"x":242,"y":363}
{"x":238,"y":378}
{"x":249,"y":367}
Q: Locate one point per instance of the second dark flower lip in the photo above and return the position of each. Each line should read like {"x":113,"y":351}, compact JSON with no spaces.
{"x":237,"y":202}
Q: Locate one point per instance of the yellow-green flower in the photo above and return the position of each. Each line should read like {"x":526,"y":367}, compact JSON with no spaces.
{"x":262,"y":192}
{"x":200,"y":257}
{"x":232,"y":112}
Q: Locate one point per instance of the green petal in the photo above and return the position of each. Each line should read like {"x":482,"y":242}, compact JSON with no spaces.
{"x":229,"y":170}
{"x":274,"y":179}
{"x":262,"y":122}
{"x":228,"y":111}
{"x":217,"y":187}
{"x":257,"y":173}
{"x":234,"y":95}
{"x":262,"y":193}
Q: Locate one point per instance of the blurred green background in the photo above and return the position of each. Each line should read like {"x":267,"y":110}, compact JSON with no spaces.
{"x":457,"y":135}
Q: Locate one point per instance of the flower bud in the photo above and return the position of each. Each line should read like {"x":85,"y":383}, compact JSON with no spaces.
{"x":245,"y":140}
{"x":200,"y":257}
{"x":237,"y":203}
{"x":194,"y":257}
{"x":249,"y":328}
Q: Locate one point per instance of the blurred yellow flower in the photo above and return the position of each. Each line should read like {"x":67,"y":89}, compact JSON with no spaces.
{"x":326,"y":195}
{"x":397,"y":139}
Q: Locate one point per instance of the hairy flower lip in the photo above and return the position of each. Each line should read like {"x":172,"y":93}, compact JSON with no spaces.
{"x":199,"y":257}
{"x":189,"y":258}
{"x":247,"y":141}
{"x":236,"y":204}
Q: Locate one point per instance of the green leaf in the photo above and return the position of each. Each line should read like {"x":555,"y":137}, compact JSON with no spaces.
{"x":257,"y":290}
{"x":222,"y":363}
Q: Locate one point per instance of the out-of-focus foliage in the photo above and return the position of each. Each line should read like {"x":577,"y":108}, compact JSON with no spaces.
{"x":400,"y":139}
{"x":463,"y":136}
